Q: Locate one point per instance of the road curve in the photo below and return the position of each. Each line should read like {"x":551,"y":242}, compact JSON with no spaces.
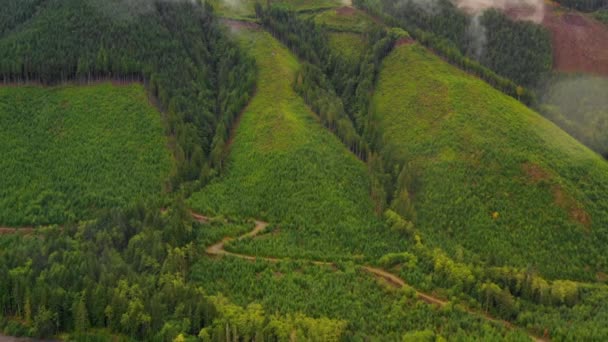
{"x":218,"y":249}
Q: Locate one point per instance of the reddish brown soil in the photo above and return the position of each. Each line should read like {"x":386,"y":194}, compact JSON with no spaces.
{"x":575,"y":211}
{"x":240,"y":24}
{"x":523,"y":12}
{"x":24,"y":230}
{"x":404,"y":41}
{"x":580,"y":43}
{"x":535,"y":173}
{"x":346,"y":10}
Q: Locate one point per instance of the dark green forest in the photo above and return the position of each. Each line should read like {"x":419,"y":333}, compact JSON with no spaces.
{"x":125,"y":277}
{"x":200,"y":79}
{"x":340,"y":89}
{"x":516,"y":51}
{"x":142,"y":272}
{"x":585,"y":5}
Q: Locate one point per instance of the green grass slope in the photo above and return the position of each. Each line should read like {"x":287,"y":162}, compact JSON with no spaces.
{"x":495,"y":181}
{"x":345,"y":19}
{"x":67,"y":151}
{"x":245,"y":9}
{"x":350,"y":45}
{"x":285,"y":168}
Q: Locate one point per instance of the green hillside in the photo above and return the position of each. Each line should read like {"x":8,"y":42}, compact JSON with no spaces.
{"x":284,"y":167}
{"x":370,"y":309}
{"x":578,"y":104}
{"x":349,"y":45}
{"x":345,"y":19}
{"x":494,"y":181}
{"x":245,"y":9}
{"x":67,"y":151}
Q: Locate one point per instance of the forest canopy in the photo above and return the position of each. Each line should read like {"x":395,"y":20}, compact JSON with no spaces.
{"x":177,"y":48}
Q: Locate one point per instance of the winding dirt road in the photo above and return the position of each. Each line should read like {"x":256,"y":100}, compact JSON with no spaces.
{"x":391,"y":279}
{"x":23,"y":230}
{"x":218,"y":249}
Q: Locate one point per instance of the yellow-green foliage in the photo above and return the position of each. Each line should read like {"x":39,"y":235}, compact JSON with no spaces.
{"x":345,"y":19}
{"x":286,"y":168}
{"x":245,"y":10}
{"x":67,"y":151}
{"x":349,"y":45}
{"x":372,"y":310}
{"x":239,"y":9}
{"x":247,"y":323}
{"x":493,"y":176}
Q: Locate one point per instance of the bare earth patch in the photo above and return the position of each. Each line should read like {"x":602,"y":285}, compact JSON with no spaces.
{"x":345,"y":10}
{"x":240,"y":24}
{"x":404,"y":41}
{"x":580,"y":43}
{"x":575,"y":211}
{"x":535,"y":173}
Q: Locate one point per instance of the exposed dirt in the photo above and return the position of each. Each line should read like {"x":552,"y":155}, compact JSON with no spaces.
{"x":4,"y":338}
{"x":346,"y":11}
{"x":24,"y":230}
{"x":404,"y":41}
{"x":580,"y":43}
{"x":575,"y":211}
{"x":535,"y":173}
{"x":523,"y":11}
{"x":240,"y":24}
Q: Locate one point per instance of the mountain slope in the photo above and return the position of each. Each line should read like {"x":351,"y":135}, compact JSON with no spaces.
{"x":67,"y":151}
{"x":495,"y":180}
{"x":286,"y":168}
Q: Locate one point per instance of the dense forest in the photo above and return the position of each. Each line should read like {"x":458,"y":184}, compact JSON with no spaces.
{"x":340,"y":89}
{"x":126,"y":276}
{"x":509,"y":53}
{"x":200,"y":78}
{"x":585,"y":5}
{"x":141,"y":271}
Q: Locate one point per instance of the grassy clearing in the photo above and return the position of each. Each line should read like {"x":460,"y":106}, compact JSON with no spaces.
{"x":241,"y":9}
{"x":245,"y":10}
{"x":285,"y":168}
{"x":495,"y":181}
{"x":350,"y":45}
{"x":345,"y":19}
{"x":371,"y":308}
{"x":67,"y":151}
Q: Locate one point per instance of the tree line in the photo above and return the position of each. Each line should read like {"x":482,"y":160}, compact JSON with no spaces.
{"x":585,"y":5}
{"x":126,"y":275}
{"x":501,"y":60}
{"x":200,"y":78}
{"x":339,"y":89}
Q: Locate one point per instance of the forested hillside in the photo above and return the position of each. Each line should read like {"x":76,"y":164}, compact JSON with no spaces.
{"x":519,"y":51}
{"x":488,"y":169}
{"x":176,"y":48}
{"x":296,"y":170}
{"x":70,"y":151}
{"x":284,"y":167}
